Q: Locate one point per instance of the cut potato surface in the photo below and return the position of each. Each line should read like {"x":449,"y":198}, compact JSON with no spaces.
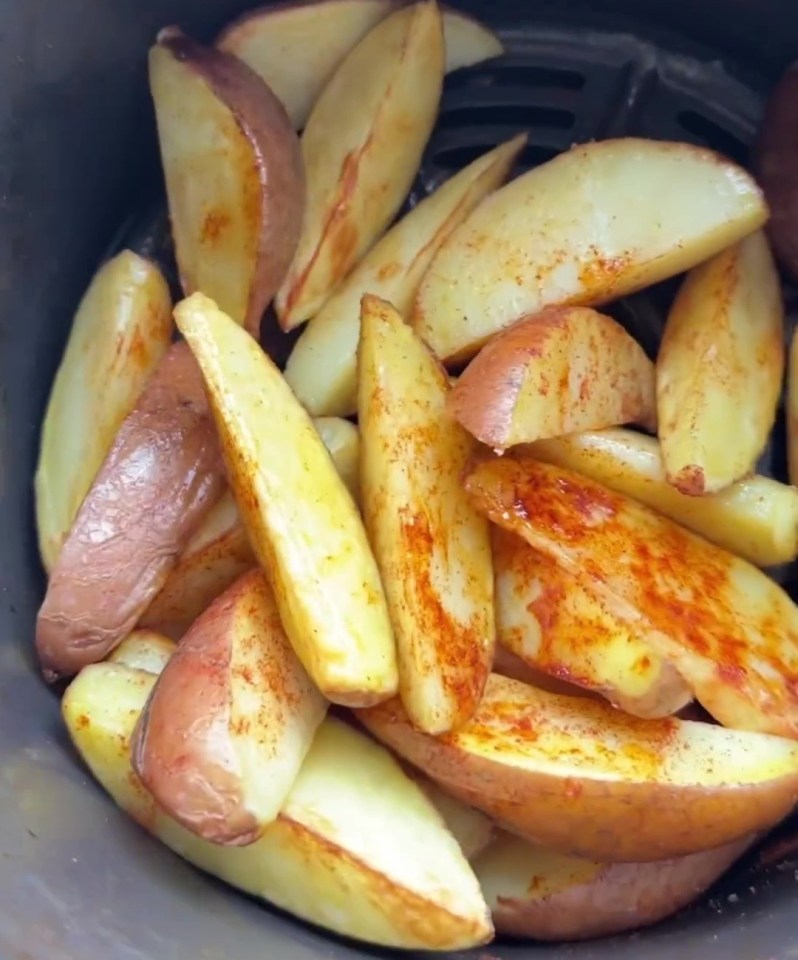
{"x":792,"y":414}
{"x":557,"y":372}
{"x":144,"y":650}
{"x":469,"y":827}
{"x":358,"y":848}
{"x":121,"y":330}
{"x":592,"y":224}
{"x":576,"y":775}
{"x":729,"y":630}
{"x":302,"y":522}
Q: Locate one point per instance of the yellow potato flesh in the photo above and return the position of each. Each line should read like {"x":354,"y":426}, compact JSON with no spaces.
{"x":144,"y":650}
{"x":357,"y":849}
{"x":720,"y":368}
{"x":590,"y":225}
{"x":792,"y":412}
{"x":756,"y":518}
{"x":469,"y":827}
{"x":322,"y":368}
{"x":121,"y":330}
{"x":302,"y":522}
{"x":432,"y":547}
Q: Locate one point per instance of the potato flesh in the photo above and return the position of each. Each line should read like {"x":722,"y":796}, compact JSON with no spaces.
{"x":144,"y":650}
{"x":121,"y":330}
{"x":756,"y":518}
{"x":593,"y":224}
{"x":432,"y":547}
{"x":357,"y":849}
{"x":303,"y":524}
{"x":728,"y":629}
{"x":720,"y":368}
{"x":322,"y":368}
{"x":792,"y":413}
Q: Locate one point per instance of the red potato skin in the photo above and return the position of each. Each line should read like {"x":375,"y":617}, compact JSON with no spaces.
{"x":161,"y":476}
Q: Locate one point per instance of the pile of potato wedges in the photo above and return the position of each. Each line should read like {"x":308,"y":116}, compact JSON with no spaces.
{"x":509,"y":549}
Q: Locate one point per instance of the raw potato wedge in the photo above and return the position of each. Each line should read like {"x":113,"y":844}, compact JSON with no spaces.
{"x":538,"y":893}
{"x":234,"y":176}
{"x":268,"y":39}
{"x":144,"y":650}
{"x":322,"y":368}
{"x":362,"y":147}
{"x":720,"y":369}
{"x":121,"y":330}
{"x":792,"y":419}
{"x":589,"y":226}
{"x":469,"y":826}
{"x":431,"y":545}
{"x":224,"y":733}
{"x":728,"y":629}
{"x":558,"y":372}
{"x":756,"y":518}
{"x":162,"y":475}
{"x":328,"y":858}
{"x":220,"y":552}
{"x":585,"y":779}
{"x":550,"y":620}
{"x":304,"y":526}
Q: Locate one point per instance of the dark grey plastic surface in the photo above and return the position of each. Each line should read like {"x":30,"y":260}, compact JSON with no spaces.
{"x":77,"y":881}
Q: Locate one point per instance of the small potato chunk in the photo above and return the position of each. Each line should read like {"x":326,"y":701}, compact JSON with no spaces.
{"x":557,"y":372}
{"x":161,"y":476}
{"x":234,"y":176}
{"x":756,"y":518}
{"x":720,"y":368}
{"x":362,"y":147}
{"x":322,"y":367}
{"x":585,"y":779}
{"x":121,"y":330}
{"x":538,"y":893}
{"x":726,"y":627}
{"x":304,"y":526}
{"x":431,"y":545}
{"x":144,"y":650}
{"x":221,"y":740}
{"x":591,"y":225}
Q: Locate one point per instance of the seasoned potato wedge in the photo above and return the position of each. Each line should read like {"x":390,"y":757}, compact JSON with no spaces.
{"x":792,"y":421}
{"x":583,"y":778}
{"x":304,"y":527}
{"x":469,"y":826}
{"x":121,"y":330}
{"x":328,"y":858}
{"x":548,"y":618}
{"x":144,"y":650}
{"x":560,"y":371}
{"x":507,"y":664}
{"x":342,"y":440}
{"x":224,"y":733}
{"x":361,"y":147}
{"x":268,"y":38}
{"x":536,"y":892}
{"x":729,"y":630}
{"x":756,"y":518}
{"x":322,"y":367}
{"x":720,"y":368}
{"x":592,"y":224}
{"x":234,"y":176}
{"x":161,"y":476}
{"x":431,"y":545}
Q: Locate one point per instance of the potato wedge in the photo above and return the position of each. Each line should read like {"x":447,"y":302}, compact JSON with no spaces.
{"x":328,"y":857}
{"x":756,"y":518}
{"x":269,"y":37}
{"x":560,"y":371}
{"x":585,"y":779}
{"x":304,"y":527}
{"x":234,"y":176}
{"x":161,"y":476}
{"x":121,"y":330}
{"x":507,"y":664}
{"x":431,"y":545}
{"x":226,"y":728}
{"x":322,"y":368}
{"x":342,"y":440}
{"x":720,"y":369}
{"x":144,"y":650}
{"x":728,"y":629}
{"x":362,"y":147}
{"x":536,"y":892}
{"x":593,"y":224}
{"x":469,"y":827}
{"x":792,"y":421}
{"x":548,"y":618}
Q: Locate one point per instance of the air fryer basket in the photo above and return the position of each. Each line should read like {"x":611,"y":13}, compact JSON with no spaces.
{"x":76,"y":879}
